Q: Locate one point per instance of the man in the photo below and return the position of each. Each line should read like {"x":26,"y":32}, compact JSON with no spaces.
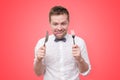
{"x":59,"y":58}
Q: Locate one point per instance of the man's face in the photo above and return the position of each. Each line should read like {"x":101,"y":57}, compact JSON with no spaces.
{"x":59,"y":25}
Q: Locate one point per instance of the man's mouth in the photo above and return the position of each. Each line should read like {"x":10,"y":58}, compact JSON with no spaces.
{"x":59,"y":32}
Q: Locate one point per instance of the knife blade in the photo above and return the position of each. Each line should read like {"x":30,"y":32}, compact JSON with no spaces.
{"x":46,"y":37}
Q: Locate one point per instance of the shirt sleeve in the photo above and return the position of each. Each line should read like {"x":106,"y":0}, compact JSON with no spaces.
{"x":38,"y":45}
{"x":84,"y":55}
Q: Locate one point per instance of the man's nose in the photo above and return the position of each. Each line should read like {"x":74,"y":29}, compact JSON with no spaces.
{"x":59,"y":27}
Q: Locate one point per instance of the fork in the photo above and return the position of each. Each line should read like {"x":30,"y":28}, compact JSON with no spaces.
{"x":73,"y":36}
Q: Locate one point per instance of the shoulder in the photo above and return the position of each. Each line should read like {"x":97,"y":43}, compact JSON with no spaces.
{"x":80,"y":41}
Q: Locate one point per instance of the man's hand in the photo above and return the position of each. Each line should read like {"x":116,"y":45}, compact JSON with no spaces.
{"x":76,"y":52}
{"x":38,"y":66}
{"x":41,"y":53}
{"x":83,"y":66}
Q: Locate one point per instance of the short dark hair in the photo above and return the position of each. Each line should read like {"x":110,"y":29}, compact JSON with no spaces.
{"x":58,"y":10}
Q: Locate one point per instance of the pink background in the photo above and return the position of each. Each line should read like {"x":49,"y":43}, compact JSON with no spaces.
{"x":24,"y":22}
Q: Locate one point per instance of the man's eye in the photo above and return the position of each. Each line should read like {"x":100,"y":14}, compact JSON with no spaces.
{"x":55,"y":24}
{"x":64,"y":23}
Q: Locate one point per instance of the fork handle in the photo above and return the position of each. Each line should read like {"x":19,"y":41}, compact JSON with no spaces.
{"x":74,"y":41}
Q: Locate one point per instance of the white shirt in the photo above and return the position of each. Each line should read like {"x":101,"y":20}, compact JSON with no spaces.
{"x":59,"y":61}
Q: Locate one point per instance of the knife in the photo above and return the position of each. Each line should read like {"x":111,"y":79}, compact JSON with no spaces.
{"x":46,"y":37}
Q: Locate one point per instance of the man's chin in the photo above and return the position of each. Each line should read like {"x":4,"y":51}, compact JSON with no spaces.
{"x":59,"y":36}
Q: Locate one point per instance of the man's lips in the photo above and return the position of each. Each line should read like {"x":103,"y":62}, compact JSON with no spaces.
{"x":58,"y":32}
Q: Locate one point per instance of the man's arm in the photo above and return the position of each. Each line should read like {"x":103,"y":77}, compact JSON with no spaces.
{"x":39,"y":67}
{"x":82,"y":65}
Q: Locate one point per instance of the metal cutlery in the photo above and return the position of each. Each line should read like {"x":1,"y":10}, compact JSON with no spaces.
{"x":73,"y":36}
{"x":46,"y":37}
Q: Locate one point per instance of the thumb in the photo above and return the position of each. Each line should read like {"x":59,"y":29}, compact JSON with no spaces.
{"x":75,"y":46}
{"x":43,"y":48}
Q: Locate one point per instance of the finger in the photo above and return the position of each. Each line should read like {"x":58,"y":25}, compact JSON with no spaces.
{"x":41,"y":55}
{"x":74,"y":52}
{"x":42,"y":48}
{"x":75,"y":46}
{"x":74,"y":49}
{"x":42,"y":51}
{"x":76,"y":55}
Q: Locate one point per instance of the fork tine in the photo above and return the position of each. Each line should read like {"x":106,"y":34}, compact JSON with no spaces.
{"x":72,"y":32}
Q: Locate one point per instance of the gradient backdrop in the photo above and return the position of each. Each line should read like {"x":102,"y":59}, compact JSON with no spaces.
{"x":24,"y":22}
